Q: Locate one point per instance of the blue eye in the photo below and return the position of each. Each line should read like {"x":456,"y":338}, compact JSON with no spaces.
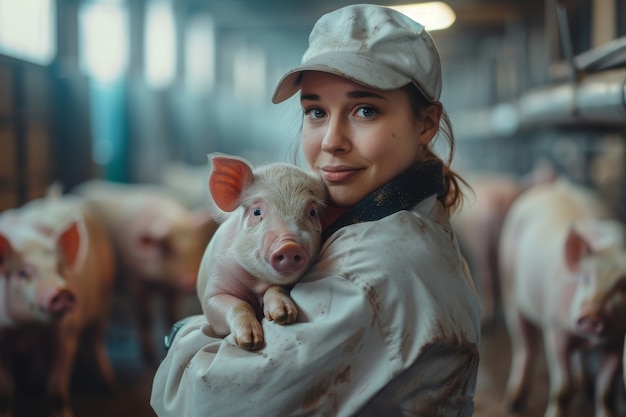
{"x":256,"y":212}
{"x":314,"y":113}
{"x":366,"y":112}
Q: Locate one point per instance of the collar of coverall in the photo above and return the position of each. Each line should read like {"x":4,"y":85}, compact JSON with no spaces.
{"x":402,"y":193}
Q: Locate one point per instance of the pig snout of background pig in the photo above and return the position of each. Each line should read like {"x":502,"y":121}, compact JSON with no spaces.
{"x":56,"y":265}
{"x":563,"y":264}
{"x":270,"y":236}
{"x":159,"y":244}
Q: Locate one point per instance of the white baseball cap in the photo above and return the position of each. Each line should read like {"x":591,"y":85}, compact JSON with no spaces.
{"x":374,"y":46}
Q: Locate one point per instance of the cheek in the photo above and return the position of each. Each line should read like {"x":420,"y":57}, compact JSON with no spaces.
{"x":310,"y":148}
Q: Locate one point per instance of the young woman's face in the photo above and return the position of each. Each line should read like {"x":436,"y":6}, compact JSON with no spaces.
{"x":357,"y":138}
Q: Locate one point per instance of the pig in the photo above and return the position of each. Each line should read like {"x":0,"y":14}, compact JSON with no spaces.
{"x":56,"y":279}
{"x":269,"y":238}
{"x":158,"y":242}
{"x":563,"y":266}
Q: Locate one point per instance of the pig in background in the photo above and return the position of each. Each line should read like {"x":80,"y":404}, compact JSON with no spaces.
{"x":563,"y":265}
{"x":478,"y":224}
{"x":270,"y":236}
{"x":56,"y":279}
{"x":159,"y":243}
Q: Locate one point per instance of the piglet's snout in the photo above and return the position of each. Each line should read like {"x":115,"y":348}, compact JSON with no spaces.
{"x":288,"y":258}
{"x":592,"y":323}
{"x":61,"y":302}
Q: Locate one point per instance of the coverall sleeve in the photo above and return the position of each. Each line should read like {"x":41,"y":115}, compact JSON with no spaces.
{"x":329,"y":363}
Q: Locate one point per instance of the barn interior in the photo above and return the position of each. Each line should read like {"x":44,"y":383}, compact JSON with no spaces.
{"x":141,"y":91}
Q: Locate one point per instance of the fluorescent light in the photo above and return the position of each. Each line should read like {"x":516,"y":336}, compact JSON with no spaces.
{"x":160,"y":36}
{"x":28,"y":29}
{"x":433,"y":15}
{"x":200,"y":54}
{"x":103,"y":40}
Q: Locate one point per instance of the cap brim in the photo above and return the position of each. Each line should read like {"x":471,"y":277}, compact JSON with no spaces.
{"x":357,"y":68}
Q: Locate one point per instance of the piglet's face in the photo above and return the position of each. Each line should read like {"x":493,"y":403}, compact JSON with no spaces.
{"x":31,"y":286}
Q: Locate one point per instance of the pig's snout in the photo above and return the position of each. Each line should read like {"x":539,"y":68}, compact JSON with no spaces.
{"x":591,"y":323}
{"x":61,"y":302}
{"x":288,"y":258}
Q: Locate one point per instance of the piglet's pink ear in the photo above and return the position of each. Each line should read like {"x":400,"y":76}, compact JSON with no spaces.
{"x":5,"y":250}
{"x":69,"y":241}
{"x":229,"y":176}
{"x":576,"y":248}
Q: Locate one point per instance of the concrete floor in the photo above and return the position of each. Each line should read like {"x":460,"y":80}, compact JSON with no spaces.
{"x":131,"y":398}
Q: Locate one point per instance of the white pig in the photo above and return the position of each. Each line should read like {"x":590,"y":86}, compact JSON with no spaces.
{"x":269,"y":239}
{"x":56,"y":279}
{"x":159,"y":243}
{"x":563,"y":264}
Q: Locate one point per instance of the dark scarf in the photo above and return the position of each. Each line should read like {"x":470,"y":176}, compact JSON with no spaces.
{"x":401,"y":193}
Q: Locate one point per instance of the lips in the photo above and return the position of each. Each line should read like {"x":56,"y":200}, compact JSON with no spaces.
{"x":335,"y":174}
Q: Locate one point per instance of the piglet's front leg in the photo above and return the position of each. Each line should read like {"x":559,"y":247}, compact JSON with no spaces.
{"x":278,"y":305}
{"x":228,"y":314}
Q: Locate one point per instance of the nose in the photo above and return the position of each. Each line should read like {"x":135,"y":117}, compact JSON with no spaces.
{"x":336,"y":139}
{"x":289,"y":258}
{"x":61,"y":302}
{"x":592,"y":323}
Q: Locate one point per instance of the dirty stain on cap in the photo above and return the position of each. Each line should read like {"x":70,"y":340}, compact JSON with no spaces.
{"x":374,"y":46}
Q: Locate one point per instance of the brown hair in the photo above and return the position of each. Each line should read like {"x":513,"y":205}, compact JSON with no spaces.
{"x":453,"y":197}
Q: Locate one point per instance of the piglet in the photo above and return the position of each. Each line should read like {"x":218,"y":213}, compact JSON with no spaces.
{"x":270,"y":237}
{"x":56,"y":280}
{"x":563,"y":264}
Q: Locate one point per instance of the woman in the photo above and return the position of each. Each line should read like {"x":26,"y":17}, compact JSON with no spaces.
{"x":388,"y":319}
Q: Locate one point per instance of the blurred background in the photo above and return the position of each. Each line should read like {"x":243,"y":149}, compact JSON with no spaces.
{"x":140,"y":91}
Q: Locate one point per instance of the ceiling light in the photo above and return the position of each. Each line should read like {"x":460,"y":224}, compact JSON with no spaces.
{"x":433,"y":15}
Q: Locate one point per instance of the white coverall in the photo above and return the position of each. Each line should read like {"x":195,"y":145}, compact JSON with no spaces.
{"x":388,"y":325}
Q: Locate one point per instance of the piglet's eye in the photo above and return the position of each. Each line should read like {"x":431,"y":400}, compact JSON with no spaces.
{"x":23,"y":274}
{"x":313,"y":213}
{"x":256,"y":212}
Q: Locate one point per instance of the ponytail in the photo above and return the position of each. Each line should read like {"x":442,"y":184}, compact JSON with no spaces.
{"x":454,"y":196}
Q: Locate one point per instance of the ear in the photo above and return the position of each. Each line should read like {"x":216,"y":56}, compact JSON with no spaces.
{"x":576,"y":248}
{"x":430,"y":127}
{"x":5,"y":250}
{"x":229,"y":177}
{"x":71,"y":240}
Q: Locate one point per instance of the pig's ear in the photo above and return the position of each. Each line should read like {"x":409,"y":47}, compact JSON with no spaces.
{"x":229,"y":176}
{"x":70,"y":241}
{"x":576,"y":248}
{"x":5,"y":250}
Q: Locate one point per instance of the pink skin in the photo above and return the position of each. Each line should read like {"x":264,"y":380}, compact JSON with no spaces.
{"x":358,"y":138}
{"x":265,"y":245}
{"x":57,"y":301}
{"x":281,"y":247}
{"x":59,"y":277}
{"x":288,"y":258}
{"x":564,"y":281}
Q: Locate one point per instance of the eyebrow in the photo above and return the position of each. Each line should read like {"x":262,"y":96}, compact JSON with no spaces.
{"x":350,"y":94}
